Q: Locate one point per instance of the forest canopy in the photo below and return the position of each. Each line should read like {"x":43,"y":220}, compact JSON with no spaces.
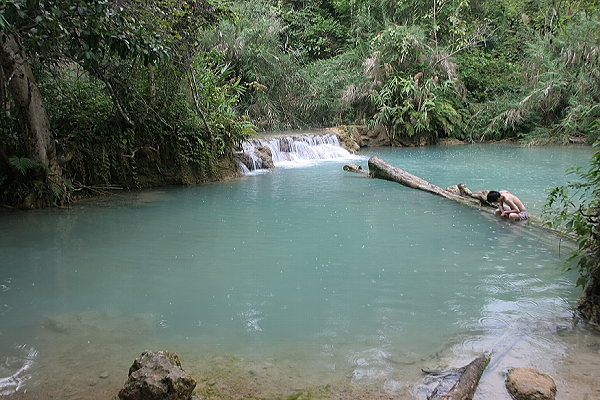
{"x":103,"y":94}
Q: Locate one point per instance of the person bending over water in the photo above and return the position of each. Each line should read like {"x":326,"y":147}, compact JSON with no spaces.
{"x":509,"y":205}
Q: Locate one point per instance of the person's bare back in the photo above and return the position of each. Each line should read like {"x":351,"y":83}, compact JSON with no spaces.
{"x":509,"y":205}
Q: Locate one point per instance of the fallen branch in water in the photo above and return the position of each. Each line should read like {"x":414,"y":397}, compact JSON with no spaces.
{"x":97,"y":189}
{"x":381,"y":169}
{"x":458,"y":383}
{"x":353,"y":167}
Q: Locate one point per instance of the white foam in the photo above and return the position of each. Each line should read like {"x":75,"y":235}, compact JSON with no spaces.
{"x":13,"y":383}
{"x":296,"y":151}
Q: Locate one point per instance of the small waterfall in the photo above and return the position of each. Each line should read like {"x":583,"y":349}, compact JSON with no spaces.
{"x":290,"y":151}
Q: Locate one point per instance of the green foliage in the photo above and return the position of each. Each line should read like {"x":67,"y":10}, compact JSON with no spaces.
{"x":401,"y":48}
{"x":487,"y":74}
{"x":410,"y":108}
{"x":284,"y":90}
{"x":218,"y":94}
{"x":560,"y":80}
{"x":24,"y":165}
{"x":339,"y":90}
{"x":315,"y":29}
{"x":131,"y":94}
{"x":162,"y":85}
{"x":576,"y":207}
{"x":410,"y":98}
{"x":88,"y":32}
{"x":80,"y":105}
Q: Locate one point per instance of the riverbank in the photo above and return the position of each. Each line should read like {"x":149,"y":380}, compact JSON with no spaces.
{"x":91,"y":353}
{"x":151,"y":170}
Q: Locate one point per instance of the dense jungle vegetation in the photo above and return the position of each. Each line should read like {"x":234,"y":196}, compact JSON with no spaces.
{"x":109,"y":94}
{"x":103,"y":94}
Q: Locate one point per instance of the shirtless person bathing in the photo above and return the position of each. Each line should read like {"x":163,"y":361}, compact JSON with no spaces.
{"x":509,"y":205}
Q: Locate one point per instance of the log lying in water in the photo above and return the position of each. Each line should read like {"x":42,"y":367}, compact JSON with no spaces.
{"x":378,"y":168}
{"x":458,"y":383}
{"x":353,"y":167}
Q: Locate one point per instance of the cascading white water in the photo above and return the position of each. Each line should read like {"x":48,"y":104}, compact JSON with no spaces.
{"x":293,"y":150}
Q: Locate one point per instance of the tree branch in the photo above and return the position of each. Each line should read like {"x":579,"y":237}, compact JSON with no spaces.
{"x":470,"y":44}
{"x":117,"y":102}
{"x":194,"y":89}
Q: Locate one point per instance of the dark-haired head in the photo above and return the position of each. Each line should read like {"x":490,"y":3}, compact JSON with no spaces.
{"x":493,"y":196}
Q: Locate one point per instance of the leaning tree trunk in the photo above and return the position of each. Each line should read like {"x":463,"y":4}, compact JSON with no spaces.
{"x":28,"y":100}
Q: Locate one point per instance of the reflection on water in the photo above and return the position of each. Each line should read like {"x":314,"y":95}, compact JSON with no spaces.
{"x":299,"y":279}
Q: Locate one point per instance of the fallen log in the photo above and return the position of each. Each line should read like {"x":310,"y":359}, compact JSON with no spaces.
{"x":457,"y":383}
{"x":353,"y":167}
{"x":380,"y":169}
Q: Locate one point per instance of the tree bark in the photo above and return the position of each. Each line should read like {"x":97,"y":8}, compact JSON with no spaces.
{"x":353,"y":167}
{"x":589,"y":304}
{"x":117,"y":102}
{"x":378,"y":168}
{"x":468,"y":379}
{"x":23,"y":88}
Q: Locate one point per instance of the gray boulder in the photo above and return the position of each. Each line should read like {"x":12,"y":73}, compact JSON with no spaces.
{"x":266,"y":156}
{"x":530,"y":384}
{"x":157,"y":375}
{"x":243,"y":159}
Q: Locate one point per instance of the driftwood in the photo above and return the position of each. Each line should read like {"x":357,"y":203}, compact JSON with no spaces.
{"x":353,"y":167}
{"x":457,"y":383}
{"x":378,"y":168}
{"x":381,"y":169}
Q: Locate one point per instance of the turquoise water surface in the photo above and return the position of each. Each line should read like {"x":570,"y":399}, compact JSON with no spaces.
{"x":303,"y":276}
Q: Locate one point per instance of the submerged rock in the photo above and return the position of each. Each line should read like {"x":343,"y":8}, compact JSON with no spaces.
{"x":55,"y":325}
{"x":530,"y":384}
{"x":157,"y":375}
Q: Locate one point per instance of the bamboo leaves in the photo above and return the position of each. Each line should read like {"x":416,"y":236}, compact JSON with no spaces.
{"x":407,"y":107}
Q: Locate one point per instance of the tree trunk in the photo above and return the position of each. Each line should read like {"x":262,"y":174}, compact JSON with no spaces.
{"x":378,"y":168}
{"x":25,"y":93}
{"x":464,"y":380}
{"x":589,"y":304}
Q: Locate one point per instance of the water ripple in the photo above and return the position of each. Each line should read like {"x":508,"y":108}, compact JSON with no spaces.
{"x":251,"y":318}
{"x":13,"y":383}
{"x":371,"y":365}
{"x":485,"y":321}
{"x":5,"y":284}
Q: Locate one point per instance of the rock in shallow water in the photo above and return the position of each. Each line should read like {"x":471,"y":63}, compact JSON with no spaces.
{"x":530,"y":384}
{"x":157,"y":375}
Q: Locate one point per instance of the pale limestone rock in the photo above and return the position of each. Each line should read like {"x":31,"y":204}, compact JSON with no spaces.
{"x":530,"y":384}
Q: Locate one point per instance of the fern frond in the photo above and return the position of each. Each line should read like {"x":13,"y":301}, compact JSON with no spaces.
{"x":24,"y":164}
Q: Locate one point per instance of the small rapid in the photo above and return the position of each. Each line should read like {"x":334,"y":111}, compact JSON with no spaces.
{"x":289,"y":151}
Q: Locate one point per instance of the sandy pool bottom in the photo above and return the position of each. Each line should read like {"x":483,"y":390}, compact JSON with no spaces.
{"x":87,"y":356}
